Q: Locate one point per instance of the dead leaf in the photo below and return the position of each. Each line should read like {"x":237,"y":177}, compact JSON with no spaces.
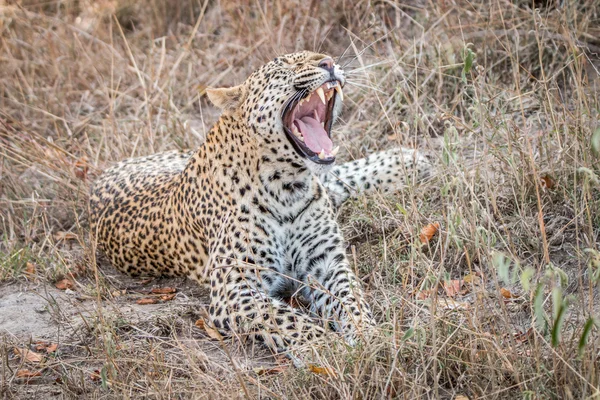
{"x":95,"y":375}
{"x":424,"y":294}
{"x":64,"y":284}
{"x":461,"y":397}
{"x":47,"y":347}
{"x":428,"y":232}
{"x":167,"y":297}
{"x":52,"y":348}
{"x":506,"y":293}
{"x":452,"y":288}
{"x":521,"y":337}
{"x":81,"y":168}
{"x":199,"y":323}
{"x":210,"y":331}
{"x":322,"y":370}
{"x":30,"y":268}
{"x":65,"y":236}
{"x":146,"y":281}
{"x":472,"y":278}
{"x":165,"y":290}
{"x":146,"y":301}
{"x":548,"y":182}
{"x":28,"y":355}
{"x":118,"y":293}
{"x":25,"y":373}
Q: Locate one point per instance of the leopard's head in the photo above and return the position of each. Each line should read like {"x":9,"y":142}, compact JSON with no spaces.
{"x":292,"y":103}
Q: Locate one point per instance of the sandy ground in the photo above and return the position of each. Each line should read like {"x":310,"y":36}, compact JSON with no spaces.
{"x":33,"y":312}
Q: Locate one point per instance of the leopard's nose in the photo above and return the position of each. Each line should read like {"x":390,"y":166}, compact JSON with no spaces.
{"x":326,"y":64}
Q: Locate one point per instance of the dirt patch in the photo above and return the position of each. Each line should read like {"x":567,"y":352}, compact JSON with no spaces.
{"x":90,"y":334}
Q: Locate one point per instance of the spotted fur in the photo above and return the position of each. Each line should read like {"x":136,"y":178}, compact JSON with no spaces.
{"x":248,"y":215}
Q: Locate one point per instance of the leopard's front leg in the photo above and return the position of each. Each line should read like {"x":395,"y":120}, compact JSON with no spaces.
{"x":384,"y":171}
{"x":239,"y":304}
{"x":319,"y":261}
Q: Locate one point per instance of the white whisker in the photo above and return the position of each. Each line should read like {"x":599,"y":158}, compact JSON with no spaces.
{"x":361,"y":69}
{"x":359,"y":85}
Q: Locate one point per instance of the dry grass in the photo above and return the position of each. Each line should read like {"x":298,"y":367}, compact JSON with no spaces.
{"x":86,"y":83}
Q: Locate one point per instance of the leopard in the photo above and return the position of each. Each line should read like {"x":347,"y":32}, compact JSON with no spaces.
{"x":251,"y":213}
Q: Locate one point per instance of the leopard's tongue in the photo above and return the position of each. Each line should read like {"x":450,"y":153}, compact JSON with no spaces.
{"x":315,"y":136}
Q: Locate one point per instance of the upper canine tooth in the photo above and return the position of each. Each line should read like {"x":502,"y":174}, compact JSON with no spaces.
{"x":322,"y":154}
{"x":335,"y":151}
{"x":329,"y":94}
{"x":338,"y":89}
{"x":321,"y":94}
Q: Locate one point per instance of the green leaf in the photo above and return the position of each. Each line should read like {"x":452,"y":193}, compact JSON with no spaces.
{"x":596,"y":141}
{"x":557,"y":302}
{"x":559,"y":311}
{"x":526,"y":276}
{"x":468,"y":58}
{"x":408,"y":334}
{"x":104,"y":377}
{"x":502,"y":264}
{"x":538,"y":307}
{"x":587,"y":328}
{"x":401,"y":209}
{"x":559,"y":319}
{"x":594,"y":265}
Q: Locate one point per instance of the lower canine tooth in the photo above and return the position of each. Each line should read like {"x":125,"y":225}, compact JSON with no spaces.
{"x":338,"y":89}
{"x":335,"y":151}
{"x":322,"y":154}
{"x":297,"y":133}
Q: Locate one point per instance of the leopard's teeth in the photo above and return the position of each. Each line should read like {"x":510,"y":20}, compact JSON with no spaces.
{"x":297,"y":133}
{"x":322,"y":154}
{"x":304,"y":100}
{"x":322,"y":124}
{"x":329,"y":95}
{"x":321,"y":94}
{"x":335,"y":151}
{"x":338,"y":89}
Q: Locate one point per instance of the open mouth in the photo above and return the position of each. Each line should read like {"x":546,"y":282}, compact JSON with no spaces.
{"x":307,"y":119}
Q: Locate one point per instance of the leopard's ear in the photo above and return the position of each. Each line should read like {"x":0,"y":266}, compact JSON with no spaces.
{"x":227,"y":99}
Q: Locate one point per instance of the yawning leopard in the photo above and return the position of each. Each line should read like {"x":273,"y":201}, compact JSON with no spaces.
{"x":252,"y":211}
